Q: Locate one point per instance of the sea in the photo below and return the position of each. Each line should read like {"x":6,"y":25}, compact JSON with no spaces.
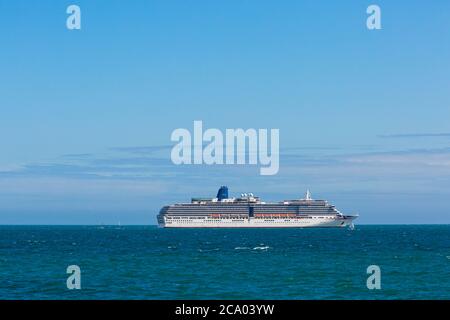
{"x":146,"y":262}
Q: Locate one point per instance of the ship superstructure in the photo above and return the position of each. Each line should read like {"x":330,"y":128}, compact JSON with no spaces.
{"x":248,"y":211}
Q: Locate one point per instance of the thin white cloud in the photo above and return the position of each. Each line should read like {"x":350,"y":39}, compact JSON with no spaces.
{"x":8,"y":168}
{"x":415,"y":135}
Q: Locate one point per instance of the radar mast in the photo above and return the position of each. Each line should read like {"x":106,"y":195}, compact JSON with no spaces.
{"x":308,"y":195}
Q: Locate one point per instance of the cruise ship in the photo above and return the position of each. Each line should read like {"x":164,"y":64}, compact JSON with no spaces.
{"x":248,"y":211}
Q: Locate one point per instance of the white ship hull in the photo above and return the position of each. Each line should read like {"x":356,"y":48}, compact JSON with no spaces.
{"x":310,"y":222}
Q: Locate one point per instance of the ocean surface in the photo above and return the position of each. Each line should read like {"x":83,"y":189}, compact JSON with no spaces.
{"x":144,"y":262}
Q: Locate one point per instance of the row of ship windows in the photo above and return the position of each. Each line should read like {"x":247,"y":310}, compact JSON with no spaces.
{"x":187,"y":206}
{"x":246,"y":207}
{"x":219,"y":218}
{"x":244,"y":215}
{"x":265,"y":220}
{"x":190,"y":221}
{"x":236,"y":220}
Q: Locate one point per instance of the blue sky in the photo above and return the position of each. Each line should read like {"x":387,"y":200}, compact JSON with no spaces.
{"x":86,"y":115}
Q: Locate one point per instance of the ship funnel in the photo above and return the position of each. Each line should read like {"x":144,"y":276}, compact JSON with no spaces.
{"x":222,"y":193}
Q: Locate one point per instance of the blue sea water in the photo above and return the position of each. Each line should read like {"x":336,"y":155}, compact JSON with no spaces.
{"x":144,"y":262}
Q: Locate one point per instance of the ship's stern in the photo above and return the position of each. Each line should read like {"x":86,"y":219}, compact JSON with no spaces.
{"x":161,"y":217}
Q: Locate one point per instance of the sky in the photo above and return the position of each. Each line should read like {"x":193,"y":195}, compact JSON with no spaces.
{"x":87,"y":115}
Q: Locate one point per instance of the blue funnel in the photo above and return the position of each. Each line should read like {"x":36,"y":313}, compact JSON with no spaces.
{"x":222,"y":193}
